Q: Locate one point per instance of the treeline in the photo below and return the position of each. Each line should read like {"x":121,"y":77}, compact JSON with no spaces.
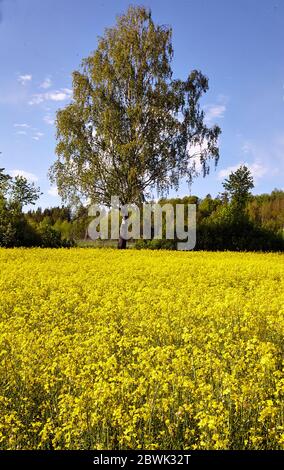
{"x":70,"y":226}
{"x":234,"y":220}
{"x":17,"y":228}
{"x":218,"y":226}
{"x":221,"y":227}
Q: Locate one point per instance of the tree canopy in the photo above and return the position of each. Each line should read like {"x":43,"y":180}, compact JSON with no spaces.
{"x":131,"y":126}
{"x":238,"y":185}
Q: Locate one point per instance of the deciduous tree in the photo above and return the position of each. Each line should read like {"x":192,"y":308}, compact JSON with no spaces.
{"x":131,"y":126}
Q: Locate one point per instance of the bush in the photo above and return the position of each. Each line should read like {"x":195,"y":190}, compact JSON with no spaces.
{"x":156,"y":244}
{"x":237,"y":236}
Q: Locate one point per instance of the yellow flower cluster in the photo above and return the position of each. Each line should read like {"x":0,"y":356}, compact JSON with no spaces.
{"x":109,"y":349}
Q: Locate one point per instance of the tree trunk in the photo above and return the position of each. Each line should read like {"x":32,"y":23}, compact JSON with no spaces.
{"x":122,"y":242}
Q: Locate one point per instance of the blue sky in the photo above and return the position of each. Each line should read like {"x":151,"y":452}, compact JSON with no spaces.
{"x":238,"y":44}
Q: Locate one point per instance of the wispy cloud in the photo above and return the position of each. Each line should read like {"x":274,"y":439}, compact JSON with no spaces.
{"x":48,"y":119}
{"x":53,"y":191}
{"x":21,"y":133}
{"x":46,"y":83}
{"x":24,"y":126}
{"x":37,"y":99}
{"x":257,"y":169}
{"x":60,"y":95}
{"x":22,"y":129}
{"x":23,"y":79}
{"x":213,"y":112}
{"x":38,"y":135}
{"x":268,"y":154}
{"x":57,"y":95}
{"x":29,"y":176}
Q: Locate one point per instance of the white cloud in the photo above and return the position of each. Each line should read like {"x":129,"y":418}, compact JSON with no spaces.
{"x":46,"y":83}
{"x":271,"y":151}
{"x":36,"y":99}
{"x":53,"y":191}
{"x":38,"y":135}
{"x":264,"y":158}
{"x":23,"y":79}
{"x":257,"y":170}
{"x":68,"y":91}
{"x":227,"y":171}
{"x":26,"y":126}
{"x":21,"y":133}
{"x":214,"y":111}
{"x":57,"y":95}
{"x":269,"y":154}
{"x":48,"y":119}
{"x":29,"y":176}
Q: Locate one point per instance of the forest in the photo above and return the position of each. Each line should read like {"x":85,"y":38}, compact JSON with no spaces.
{"x":225,"y":222}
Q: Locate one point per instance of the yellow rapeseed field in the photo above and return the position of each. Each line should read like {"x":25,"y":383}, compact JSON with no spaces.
{"x":108,"y":349}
